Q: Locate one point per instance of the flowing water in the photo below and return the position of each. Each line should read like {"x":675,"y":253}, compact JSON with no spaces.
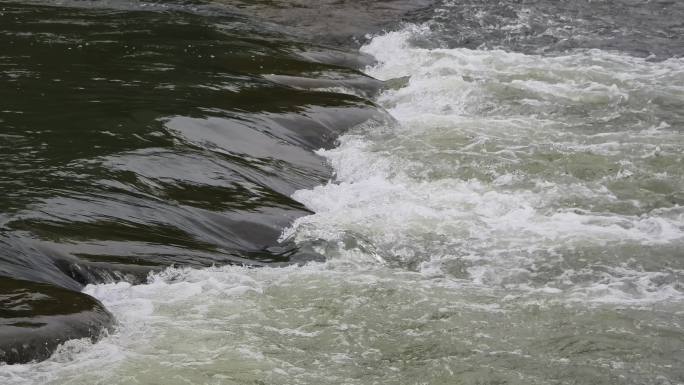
{"x":509,"y":210}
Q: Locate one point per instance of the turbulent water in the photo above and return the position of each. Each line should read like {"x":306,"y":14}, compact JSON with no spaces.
{"x":509,"y":211}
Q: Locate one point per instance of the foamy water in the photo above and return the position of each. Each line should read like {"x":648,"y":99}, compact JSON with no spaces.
{"x":520,"y":222}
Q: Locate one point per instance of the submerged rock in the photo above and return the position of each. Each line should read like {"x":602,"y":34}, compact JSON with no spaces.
{"x":36,"y":317}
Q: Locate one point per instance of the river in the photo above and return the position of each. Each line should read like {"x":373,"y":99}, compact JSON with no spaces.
{"x":450,"y":192}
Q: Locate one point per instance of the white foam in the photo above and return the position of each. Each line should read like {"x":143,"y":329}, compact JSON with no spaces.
{"x":491,"y":161}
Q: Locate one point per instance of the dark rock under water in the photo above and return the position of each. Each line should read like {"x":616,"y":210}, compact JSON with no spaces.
{"x":36,"y":317}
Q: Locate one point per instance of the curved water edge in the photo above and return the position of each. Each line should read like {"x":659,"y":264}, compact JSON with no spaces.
{"x":519,"y":222}
{"x":36,"y":318}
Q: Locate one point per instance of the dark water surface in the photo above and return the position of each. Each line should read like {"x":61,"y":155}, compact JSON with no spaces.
{"x":223,"y":192}
{"x":139,"y":135}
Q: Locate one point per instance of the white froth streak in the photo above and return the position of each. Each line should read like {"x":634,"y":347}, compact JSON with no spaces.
{"x":372,"y":184}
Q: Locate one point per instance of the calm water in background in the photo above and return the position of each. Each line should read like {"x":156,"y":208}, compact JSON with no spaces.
{"x":508,"y":211}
